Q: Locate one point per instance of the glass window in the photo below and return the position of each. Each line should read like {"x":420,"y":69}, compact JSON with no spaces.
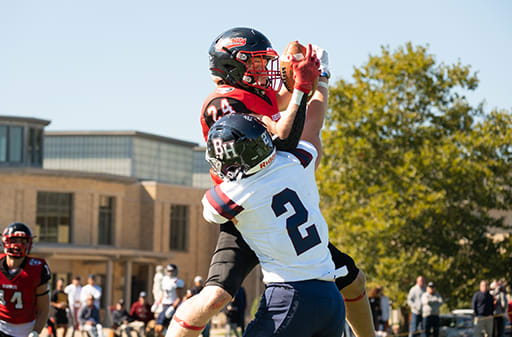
{"x":38,"y":147}
{"x":34,"y":148}
{"x":179,"y":226}
{"x":3,"y":143}
{"x":15,"y":144}
{"x":53,"y":218}
{"x":106,"y":221}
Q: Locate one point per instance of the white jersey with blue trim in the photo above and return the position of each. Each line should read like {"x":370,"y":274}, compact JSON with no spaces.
{"x":277,"y":211}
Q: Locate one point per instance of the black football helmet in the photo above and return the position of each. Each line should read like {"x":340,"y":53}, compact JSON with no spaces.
{"x":238,"y":146}
{"x":244,"y":57}
{"x":17,"y":230}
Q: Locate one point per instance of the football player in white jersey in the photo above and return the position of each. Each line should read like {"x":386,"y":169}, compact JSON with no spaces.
{"x":273,"y":198}
{"x":172,"y":293}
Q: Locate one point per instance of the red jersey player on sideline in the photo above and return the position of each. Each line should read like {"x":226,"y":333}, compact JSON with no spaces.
{"x":24,"y":289}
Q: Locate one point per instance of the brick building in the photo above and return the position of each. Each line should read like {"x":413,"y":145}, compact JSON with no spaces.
{"x":116,"y":204}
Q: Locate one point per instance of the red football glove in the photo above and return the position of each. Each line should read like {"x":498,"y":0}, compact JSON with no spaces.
{"x":306,"y":71}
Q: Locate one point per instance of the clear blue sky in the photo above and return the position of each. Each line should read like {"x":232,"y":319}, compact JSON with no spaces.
{"x":143,"y":65}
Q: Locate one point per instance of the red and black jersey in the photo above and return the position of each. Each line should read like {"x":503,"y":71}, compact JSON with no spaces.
{"x":227,"y":99}
{"x":18,"y":290}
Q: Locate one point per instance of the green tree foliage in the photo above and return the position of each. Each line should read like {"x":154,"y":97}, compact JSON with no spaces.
{"x":412,"y":172}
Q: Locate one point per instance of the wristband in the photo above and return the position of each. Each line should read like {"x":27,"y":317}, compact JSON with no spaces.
{"x":326,"y":74}
{"x":296,"y":96}
{"x":323,"y":84}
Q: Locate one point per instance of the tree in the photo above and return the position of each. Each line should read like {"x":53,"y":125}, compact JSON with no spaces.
{"x":411,"y":172}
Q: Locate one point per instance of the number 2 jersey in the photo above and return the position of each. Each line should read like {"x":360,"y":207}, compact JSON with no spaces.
{"x":279,"y":216}
{"x":18,"y":291}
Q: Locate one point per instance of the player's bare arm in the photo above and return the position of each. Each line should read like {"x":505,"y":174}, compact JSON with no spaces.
{"x":43,"y":306}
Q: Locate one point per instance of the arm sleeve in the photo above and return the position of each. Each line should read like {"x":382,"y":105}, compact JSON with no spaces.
{"x":291,"y":142}
{"x":45,"y":274}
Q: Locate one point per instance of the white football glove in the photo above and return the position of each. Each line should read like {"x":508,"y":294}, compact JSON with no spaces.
{"x":322,"y":56}
{"x":33,"y":334}
{"x":169,"y":312}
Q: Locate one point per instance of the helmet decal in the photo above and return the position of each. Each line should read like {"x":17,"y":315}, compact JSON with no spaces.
{"x":237,"y":42}
{"x":224,"y":149}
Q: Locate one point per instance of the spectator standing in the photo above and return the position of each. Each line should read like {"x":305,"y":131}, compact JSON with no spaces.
{"x":140,"y":313}
{"x":483,"y":306}
{"x":384,"y":312}
{"x":73,"y":290}
{"x":414,"y":302}
{"x":198,"y":285}
{"x":510,"y":310}
{"x":157,"y":289}
{"x":59,"y":304}
{"x":375,"y":306}
{"x":500,"y":308}
{"x":431,"y":304}
{"x":89,"y":317}
{"x":91,"y":289}
{"x":172,"y":288}
{"x":235,"y":313}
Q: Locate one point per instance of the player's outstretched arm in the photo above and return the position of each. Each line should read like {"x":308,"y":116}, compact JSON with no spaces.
{"x":315,"y":117}
{"x":289,"y":128}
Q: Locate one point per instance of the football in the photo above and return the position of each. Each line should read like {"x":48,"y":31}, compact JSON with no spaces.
{"x":293,"y":50}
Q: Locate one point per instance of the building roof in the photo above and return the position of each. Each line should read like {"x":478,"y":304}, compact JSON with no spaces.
{"x":69,"y":173}
{"x":30,"y":120}
{"x":130,"y":133}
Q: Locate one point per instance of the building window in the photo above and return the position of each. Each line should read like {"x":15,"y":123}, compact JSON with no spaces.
{"x":53,"y":219}
{"x":3,"y":143}
{"x":11,"y":144}
{"x":106,"y":221}
{"x":179,"y":225}
{"x":35,"y":148}
{"x":15,"y":144}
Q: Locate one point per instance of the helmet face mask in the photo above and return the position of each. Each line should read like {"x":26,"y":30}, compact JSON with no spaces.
{"x":238,"y":146}
{"x":17,"y":240}
{"x":244,"y":57}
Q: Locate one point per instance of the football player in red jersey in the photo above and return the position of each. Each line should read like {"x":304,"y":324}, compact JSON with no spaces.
{"x":24,"y":289}
{"x":244,"y":67}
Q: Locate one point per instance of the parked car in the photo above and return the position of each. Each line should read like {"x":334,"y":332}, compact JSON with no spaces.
{"x":459,"y":323}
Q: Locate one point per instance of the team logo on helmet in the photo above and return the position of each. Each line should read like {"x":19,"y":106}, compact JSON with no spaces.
{"x":224,"y":150}
{"x":237,"y":42}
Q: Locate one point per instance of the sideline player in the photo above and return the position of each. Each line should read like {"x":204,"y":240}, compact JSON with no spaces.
{"x":172,"y":293}
{"x":25,"y":298}
{"x":233,"y":259}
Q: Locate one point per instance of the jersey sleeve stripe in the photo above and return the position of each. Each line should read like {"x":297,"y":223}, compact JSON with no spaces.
{"x":230,"y":203}
{"x":303,"y":156}
{"x":227,"y":208}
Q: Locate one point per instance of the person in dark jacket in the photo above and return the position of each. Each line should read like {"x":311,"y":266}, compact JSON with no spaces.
{"x":483,"y":306}
{"x":120,"y":319}
{"x":235,"y":313}
{"x":89,"y":318}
